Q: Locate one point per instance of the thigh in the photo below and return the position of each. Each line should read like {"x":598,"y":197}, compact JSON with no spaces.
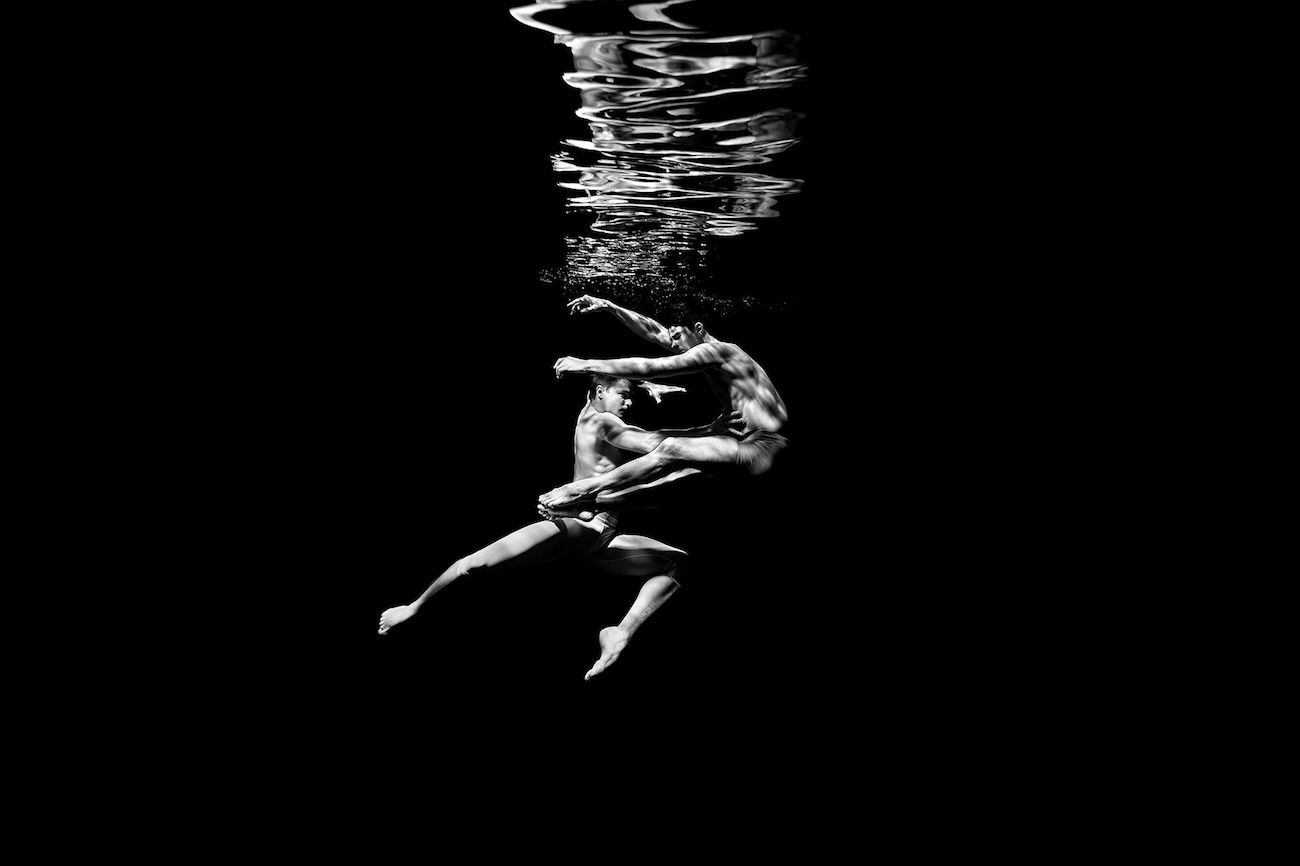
{"x":707,"y":449}
{"x":637,"y":556}
{"x":542,"y":541}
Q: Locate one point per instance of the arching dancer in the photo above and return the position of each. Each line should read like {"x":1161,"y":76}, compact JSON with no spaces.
{"x":601,"y":442}
{"x":730,"y":371}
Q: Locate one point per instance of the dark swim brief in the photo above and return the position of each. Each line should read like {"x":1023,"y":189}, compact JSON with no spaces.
{"x":604,"y":522}
{"x":757,"y":450}
{"x":610,"y":521}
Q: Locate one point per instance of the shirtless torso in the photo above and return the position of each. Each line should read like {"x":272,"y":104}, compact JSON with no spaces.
{"x":729,"y":370}
{"x":592,"y":455}
{"x":596,"y":439}
{"x":747,"y":386}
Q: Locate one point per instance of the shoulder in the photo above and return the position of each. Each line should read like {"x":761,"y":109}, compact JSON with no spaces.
{"x":606,"y":421}
{"x":719,"y":351}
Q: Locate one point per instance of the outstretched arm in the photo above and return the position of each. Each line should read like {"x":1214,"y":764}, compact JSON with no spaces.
{"x":693,"y":360}
{"x":629,"y":437}
{"x":643,"y":326}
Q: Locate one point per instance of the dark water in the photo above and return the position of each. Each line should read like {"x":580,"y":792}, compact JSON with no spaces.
{"x":455,"y":190}
{"x":421,"y":199}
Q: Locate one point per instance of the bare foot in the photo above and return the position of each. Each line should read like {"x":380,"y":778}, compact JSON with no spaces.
{"x":395,"y":616}
{"x":566,"y":494}
{"x":607,"y":499}
{"x":612,"y":641}
{"x":556,"y":513}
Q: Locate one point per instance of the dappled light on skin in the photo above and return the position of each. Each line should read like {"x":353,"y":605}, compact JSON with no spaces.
{"x":686,"y":124}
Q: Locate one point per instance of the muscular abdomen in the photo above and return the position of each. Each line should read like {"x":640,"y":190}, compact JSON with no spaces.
{"x":758,"y":402}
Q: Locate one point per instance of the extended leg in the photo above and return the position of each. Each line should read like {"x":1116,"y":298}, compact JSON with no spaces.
{"x":537,"y":542}
{"x":672,"y":454}
{"x":638,"y":556}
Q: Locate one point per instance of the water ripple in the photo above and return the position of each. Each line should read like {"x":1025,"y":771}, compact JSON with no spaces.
{"x":679,"y":119}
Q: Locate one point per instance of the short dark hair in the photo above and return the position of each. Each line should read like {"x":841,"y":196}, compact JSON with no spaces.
{"x":607,"y":381}
{"x":682,"y":312}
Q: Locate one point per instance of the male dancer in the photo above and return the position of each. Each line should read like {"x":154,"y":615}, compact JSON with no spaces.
{"x":730,"y":371}
{"x":601,"y":442}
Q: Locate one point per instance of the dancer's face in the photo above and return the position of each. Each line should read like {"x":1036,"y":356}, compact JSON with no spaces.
{"x":683,"y":338}
{"x":616,"y":398}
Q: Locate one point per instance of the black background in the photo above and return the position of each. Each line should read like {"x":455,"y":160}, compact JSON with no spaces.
{"x":397,"y":410}
{"x":375,"y":399}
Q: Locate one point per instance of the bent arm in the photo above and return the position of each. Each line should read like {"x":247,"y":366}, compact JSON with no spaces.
{"x":643,"y":326}
{"x":629,"y":437}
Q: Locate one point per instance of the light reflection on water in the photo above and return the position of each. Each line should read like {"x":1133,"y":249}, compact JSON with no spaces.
{"x":684,"y":125}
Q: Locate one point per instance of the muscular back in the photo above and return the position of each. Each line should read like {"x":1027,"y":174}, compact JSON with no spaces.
{"x":751,"y":391}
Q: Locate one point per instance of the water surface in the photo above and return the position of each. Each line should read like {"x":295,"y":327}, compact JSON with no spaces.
{"x":686,"y":120}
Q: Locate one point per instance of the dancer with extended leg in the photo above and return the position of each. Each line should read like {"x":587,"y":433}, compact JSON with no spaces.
{"x":601,"y":442}
{"x":728,"y":368}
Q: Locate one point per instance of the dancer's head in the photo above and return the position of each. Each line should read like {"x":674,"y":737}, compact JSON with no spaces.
{"x":684,"y":337}
{"x":689,"y":330}
{"x":610,"y":393}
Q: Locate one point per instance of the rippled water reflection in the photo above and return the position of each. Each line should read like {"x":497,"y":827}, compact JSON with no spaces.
{"x":684,"y":124}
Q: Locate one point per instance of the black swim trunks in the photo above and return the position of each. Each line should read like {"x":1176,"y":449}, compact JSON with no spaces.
{"x":604,"y":522}
{"x":610,"y":521}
